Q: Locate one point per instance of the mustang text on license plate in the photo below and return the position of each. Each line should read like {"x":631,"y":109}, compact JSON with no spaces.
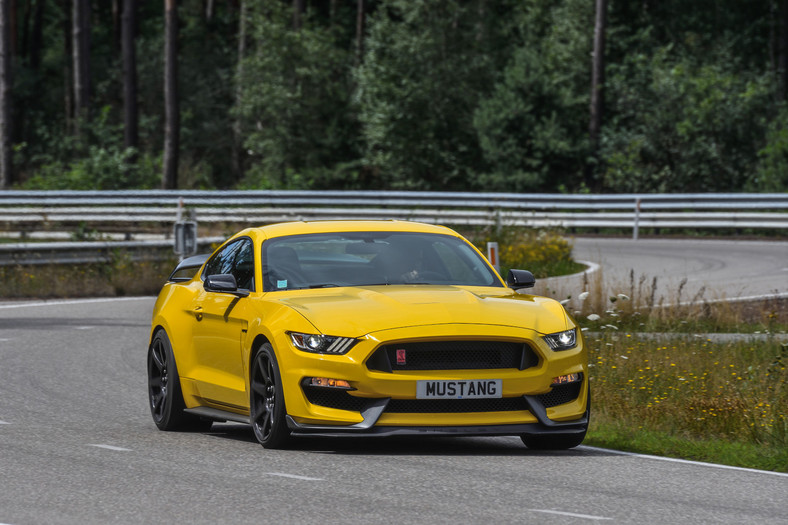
{"x":459,"y":389}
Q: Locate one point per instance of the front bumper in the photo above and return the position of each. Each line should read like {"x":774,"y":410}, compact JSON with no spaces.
{"x":544,"y":426}
{"x":383,"y":401}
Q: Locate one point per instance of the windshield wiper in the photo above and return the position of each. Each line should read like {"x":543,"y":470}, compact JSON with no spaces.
{"x":324,"y":285}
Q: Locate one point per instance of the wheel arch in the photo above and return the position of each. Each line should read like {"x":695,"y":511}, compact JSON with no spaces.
{"x":259,"y":341}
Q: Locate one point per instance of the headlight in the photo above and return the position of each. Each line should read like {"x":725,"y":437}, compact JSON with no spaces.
{"x":321,"y":344}
{"x":562,"y":340}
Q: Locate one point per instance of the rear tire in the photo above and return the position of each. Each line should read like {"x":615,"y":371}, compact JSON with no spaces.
{"x":164,"y":390}
{"x":267,"y":401}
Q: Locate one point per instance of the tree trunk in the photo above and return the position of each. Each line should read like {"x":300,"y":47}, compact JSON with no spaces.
{"x":782,"y":48}
{"x":130,"y":110}
{"x":360,"y":15}
{"x":171,"y":103}
{"x":237,"y":151}
{"x":298,"y":9}
{"x":81,"y":54}
{"x":117,"y":26}
{"x":210,"y":8}
{"x":37,"y":36}
{"x":597,"y":83}
{"x":68,"y":73}
{"x":6,"y":175}
{"x":332,"y":11}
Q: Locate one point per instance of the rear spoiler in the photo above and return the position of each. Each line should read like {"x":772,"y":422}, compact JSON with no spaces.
{"x":190,"y":263}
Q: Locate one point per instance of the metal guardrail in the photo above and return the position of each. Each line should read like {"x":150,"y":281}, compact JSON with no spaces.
{"x":721,"y":210}
{"x":134,"y":211}
{"x":33,"y":254}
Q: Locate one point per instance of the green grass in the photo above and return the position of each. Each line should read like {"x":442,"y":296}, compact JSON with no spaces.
{"x":607,"y":434}
{"x":689,"y":397}
{"x":117,"y":278}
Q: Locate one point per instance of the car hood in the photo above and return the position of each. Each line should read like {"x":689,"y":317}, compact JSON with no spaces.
{"x":354,"y":312}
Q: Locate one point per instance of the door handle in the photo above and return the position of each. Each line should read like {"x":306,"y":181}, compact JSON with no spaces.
{"x":198,"y":312}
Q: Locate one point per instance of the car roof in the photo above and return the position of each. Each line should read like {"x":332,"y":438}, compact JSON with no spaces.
{"x":331,"y":226}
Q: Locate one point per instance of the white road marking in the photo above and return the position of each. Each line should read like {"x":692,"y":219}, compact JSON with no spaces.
{"x":84,"y":327}
{"x":570,"y":514}
{"x":684,"y":461}
{"x":293,"y":476}
{"x":73,"y":301}
{"x":110,"y":447}
{"x":4,"y":423}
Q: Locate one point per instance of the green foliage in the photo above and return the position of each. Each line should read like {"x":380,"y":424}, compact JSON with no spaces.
{"x":103,"y":165}
{"x":544,"y":253}
{"x":679,"y":125}
{"x":425,"y":70}
{"x":532,"y":128}
{"x":448,"y":95}
{"x":295,"y":101}
{"x":772,"y":174}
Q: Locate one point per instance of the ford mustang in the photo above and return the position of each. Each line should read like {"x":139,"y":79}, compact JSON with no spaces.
{"x":363,"y":328}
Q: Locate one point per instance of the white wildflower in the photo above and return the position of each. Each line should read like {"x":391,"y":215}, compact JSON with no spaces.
{"x":593,"y":317}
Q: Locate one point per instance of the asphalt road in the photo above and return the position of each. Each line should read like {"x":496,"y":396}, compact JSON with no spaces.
{"x":77,"y":445}
{"x":715,"y":269}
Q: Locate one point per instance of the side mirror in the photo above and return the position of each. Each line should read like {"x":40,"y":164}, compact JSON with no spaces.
{"x":223,"y":283}
{"x":517,"y":279}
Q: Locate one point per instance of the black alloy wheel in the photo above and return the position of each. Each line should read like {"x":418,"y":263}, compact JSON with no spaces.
{"x":267,"y":403}
{"x":164,"y":389}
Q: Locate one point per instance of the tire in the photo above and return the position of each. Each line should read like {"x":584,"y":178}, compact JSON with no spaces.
{"x":164,"y":390}
{"x":266,"y":400}
{"x":552,"y":441}
{"x":558,"y":441}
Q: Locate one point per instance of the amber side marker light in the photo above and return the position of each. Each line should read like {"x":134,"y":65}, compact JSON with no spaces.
{"x":568,"y":378}
{"x":329,"y":382}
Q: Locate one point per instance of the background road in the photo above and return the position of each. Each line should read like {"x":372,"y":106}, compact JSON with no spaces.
{"x":77,"y":445}
{"x":723,"y":269}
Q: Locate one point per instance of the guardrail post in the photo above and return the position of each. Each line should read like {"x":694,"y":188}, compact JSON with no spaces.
{"x":492,"y":255}
{"x":636,"y":227}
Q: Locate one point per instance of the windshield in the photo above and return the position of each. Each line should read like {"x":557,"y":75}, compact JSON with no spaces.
{"x":372,"y":258}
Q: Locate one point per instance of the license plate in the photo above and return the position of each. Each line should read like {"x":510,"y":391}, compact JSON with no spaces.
{"x":459,"y":389}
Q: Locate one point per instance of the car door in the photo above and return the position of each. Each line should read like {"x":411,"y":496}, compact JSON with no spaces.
{"x":220,"y":327}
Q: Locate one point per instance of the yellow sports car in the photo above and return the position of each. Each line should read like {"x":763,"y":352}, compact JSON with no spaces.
{"x":344,"y":328}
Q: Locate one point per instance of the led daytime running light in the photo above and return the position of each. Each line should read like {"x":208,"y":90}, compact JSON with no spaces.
{"x":322,"y":344}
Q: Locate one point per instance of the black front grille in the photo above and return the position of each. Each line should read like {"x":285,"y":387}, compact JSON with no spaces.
{"x":432,"y":406}
{"x":343,"y":400}
{"x":334,"y":398}
{"x":452,"y":355}
{"x":561,"y":394}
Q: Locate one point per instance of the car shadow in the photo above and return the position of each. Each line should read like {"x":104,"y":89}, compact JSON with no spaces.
{"x":406,"y":445}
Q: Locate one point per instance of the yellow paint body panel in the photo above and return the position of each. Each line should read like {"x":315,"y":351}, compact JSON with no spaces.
{"x":214,"y":341}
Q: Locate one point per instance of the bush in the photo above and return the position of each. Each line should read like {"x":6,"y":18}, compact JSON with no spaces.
{"x":544,"y":253}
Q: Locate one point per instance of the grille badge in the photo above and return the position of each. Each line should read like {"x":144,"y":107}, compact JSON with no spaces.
{"x":401,"y":358}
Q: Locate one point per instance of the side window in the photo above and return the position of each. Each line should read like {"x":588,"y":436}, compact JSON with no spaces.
{"x":236,"y":259}
{"x":244,"y":266}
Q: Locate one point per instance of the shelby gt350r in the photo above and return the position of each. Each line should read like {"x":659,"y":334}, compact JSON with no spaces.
{"x":341,"y":328}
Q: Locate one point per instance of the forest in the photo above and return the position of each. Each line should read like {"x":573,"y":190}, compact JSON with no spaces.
{"x":565,"y":96}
